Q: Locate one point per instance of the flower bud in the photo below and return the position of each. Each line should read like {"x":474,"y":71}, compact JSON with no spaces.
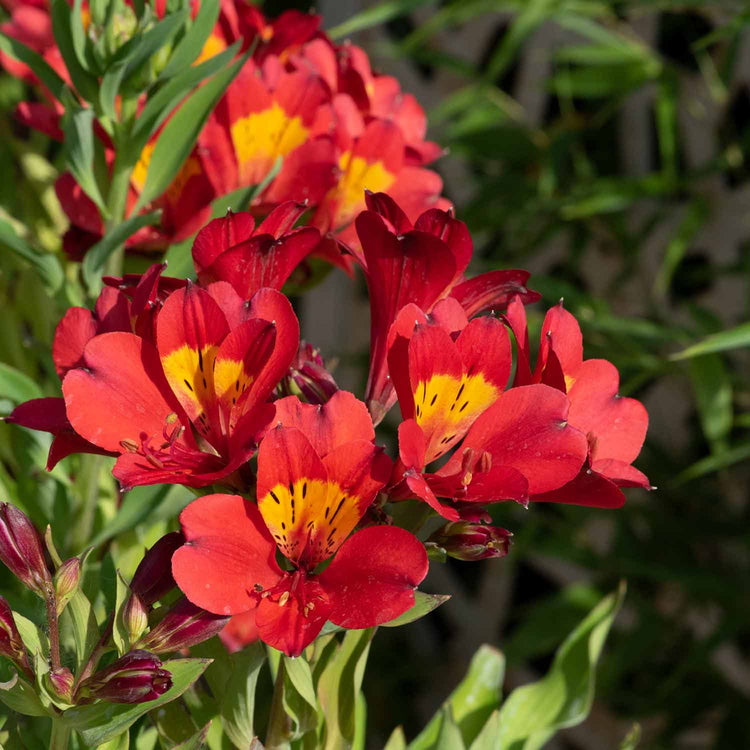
{"x":153,"y":576}
{"x":21,"y":550}
{"x":184,"y":625}
{"x":136,"y":677}
{"x":62,"y":681}
{"x":472,"y":541}
{"x":11,"y":643}
{"x":307,"y":377}
{"x":135,"y":617}
{"x":67,"y":579}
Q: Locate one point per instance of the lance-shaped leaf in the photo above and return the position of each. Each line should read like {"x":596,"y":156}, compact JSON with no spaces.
{"x":78,"y":125}
{"x":39,"y":66}
{"x":470,"y":704}
{"x":46,"y":265}
{"x":101,"y":722}
{"x":181,"y":132}
{"x":563,"y":697}
{"x":191,"y":44}
{"x":70,"y":49}
{"x":423,"y":605}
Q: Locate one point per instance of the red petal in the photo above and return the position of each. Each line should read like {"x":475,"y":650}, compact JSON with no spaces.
{"x":383,"y":205}
{"x":263,"y":261}
{"x":493,"y":291}
{"x":484,"y":346}
{"x":286,"y":627}
{"x":281,"y":220}
{"x":586,"y":488}
{"x":451,"y":231}
{"x":411,"y":445}
{"x":120,"y":394}
{"x":526,"y":429}
{"x":342,"y":419}
{"x":228,"y":550}
{"x":218,"y":236}
{"x":373,"y":576}
{"x":240,"y":631}
{"x":73,"y":332}
{"x":565,"y":337}
{"x":621,"y":473}
{"x":421,"y":488}
{"x":618,"y":425}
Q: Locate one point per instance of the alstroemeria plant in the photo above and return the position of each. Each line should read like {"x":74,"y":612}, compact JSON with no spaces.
{"x":309,"y":529}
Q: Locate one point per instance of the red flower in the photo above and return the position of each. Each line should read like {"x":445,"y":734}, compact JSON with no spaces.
{"x":213,"y":366}
{"x":318,"y":471}
{"x":615,"y":427}
{"x":420,"y":264}
{"x":114,"y":311}
{"x":233,"y":249}
{"x":515,"y":443}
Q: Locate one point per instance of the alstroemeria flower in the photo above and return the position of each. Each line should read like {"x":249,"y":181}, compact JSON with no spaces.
{"x":514,"y":442}
{"x":615,"y":427}
{"x":419,"y":264}
{"x":116,"y":309}
{"x":318,"y":471}
{"x":190,"y":408}
{"x":233,"y":249}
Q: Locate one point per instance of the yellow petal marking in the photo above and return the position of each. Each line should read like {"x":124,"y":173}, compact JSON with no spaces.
{"x":445,"y":407}
{"x":190,"y":373}
{"x":310,"y":519}
{"x":261,"y":137}
{"x":357,"y":174}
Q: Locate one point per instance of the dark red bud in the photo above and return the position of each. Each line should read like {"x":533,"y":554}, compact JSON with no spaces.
{"x":67,"y":579}
{"x":153,"y":576}
{"x":11,"y":643}
{"x":184,"y":625}
{"x":62,"y":681}
{"x":136,"y":677}
{"x":472,"y":541}
{"x":22,"y":551}
{"x":308,"y":378}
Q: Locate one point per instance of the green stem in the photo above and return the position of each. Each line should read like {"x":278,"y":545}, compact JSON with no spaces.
{"x":59,"y":736}
{"x":277,"y":736}
{"x":54,"y":628}
{"x":122,"y":170}
{"x":95,"y":655}
{"x":88,"y":491}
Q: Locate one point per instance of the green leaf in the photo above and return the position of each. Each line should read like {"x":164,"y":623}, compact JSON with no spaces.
{"x":20,"y":696}
{"x":78,"y":126}
{"x":375,"y":16}
{"x":472,"y":701}
{"x":338,"y":686}
{"x":449,"y":736}
{"x":397,"y":740}
{"x":17,"y":386}
{"x":120,"y":633}
{"x":191,"y":44}
{"x":238,"y":701}
{"x":62,"y":28}
{"x":159,"y":106}
{"x":143,"y":504}
{"x":710,"y":464}
{"x":423,"y":605}
{"x":632,"y":738}
{"x":102,"y":722}
{"x":39,"y":66}
{"x":487,"y":739}
{"x":732,"y":338}
{"x":713,"y":395}
{"x":97,"y":256}
{"x":532,"y":713}
{"x":195,"y":742}
{"x":298,"y":696}
{"x":181,"y":132}
{"x":78,"y":620}
{"x":133,"y":54}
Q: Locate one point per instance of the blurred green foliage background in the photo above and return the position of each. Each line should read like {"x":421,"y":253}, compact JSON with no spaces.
{"x":605,"y":146}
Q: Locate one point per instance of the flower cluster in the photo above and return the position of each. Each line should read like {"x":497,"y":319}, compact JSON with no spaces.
{"x":195,"y":381}
{"x":337,"y":127}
